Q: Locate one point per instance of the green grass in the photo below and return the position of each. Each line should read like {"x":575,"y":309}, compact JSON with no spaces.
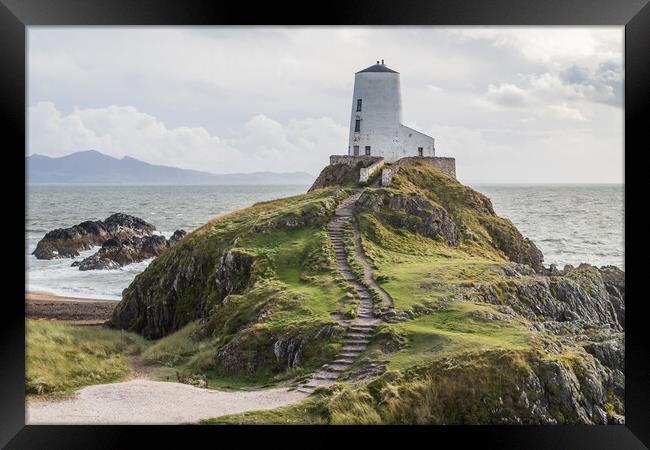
{"x":61,"y":358}
{"x":414,"y":269}
{"x":300,"y":264}
{"x":175,"y":348}
{"x":452,"y":390}
{"x":454,"y":331}
{"x":309,"y":411}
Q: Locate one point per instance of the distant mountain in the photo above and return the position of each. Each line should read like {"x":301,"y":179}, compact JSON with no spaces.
{"x":93,"y":167}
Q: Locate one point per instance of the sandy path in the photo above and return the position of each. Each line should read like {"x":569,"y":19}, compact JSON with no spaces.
{"x":143,"y":401}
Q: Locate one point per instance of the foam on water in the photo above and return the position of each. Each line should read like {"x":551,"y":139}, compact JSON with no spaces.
{"x":570,"y":224}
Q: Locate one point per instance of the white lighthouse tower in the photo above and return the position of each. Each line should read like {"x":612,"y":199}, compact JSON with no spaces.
{"x":376,"y":121}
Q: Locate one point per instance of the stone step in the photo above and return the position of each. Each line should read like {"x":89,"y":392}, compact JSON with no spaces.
{"x":305,"y":390}
{"x":361,"y":329}
{"x":349,"y":361}
{"x":326,"y":376}
{"x":337,"y":367}
{"x":356,"y":341}
{"x":352,"y":347}
{"x":357,"y":335}
{"x":351,"y":355}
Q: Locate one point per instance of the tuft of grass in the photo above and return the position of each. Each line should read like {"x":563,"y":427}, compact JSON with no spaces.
{"x":456,"y":390}
{"x":61,"y":357}
{"x":309,"y":411}
{"x":174,"y":348}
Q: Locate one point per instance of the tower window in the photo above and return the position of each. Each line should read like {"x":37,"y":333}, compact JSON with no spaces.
{"x":368,"y":150}
{"x":356,"y":150}
{"x":357,"y":125}
{"x":420,"y":151}
{"x":358,"y":105}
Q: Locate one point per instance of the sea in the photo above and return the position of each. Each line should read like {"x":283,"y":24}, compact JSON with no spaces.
{"x":571,"y":224}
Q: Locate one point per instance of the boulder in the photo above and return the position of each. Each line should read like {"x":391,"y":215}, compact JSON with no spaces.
{"x":118,"y":252}
{"x":68,"y":242}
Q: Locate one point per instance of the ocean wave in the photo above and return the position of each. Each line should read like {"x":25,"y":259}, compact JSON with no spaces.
{"x":78,"y":292}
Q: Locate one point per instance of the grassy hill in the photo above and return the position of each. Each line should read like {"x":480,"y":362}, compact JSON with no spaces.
{"x":480,"y":331}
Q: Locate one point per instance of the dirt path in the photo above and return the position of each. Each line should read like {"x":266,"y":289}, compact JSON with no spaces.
{"x":142,"y":401}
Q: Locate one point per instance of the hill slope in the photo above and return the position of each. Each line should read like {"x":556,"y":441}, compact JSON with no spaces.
{"x":480,"y":331}
{"x":93,"y":167}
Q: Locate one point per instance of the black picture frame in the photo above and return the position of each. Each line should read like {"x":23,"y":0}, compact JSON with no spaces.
{"x":16,"y":15}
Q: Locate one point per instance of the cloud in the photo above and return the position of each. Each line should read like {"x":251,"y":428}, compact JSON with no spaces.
{"x":507,"y":94}
{"x":552,"y":45}
{"x":433,"y":88}
{"x":278,"y":98}
{"x":262,"y":144}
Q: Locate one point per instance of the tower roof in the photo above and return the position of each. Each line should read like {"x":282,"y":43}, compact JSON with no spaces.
{"x":379,"y":67}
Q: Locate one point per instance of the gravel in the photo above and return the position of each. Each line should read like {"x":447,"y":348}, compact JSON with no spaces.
{"x":142,"y":401}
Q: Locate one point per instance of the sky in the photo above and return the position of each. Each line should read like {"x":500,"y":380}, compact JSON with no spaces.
{"x":512,"y":105}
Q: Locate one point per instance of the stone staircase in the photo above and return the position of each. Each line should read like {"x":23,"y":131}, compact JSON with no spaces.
{"x":360,"y":329}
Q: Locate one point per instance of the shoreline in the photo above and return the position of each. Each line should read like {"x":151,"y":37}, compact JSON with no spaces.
{"x":46,"y":296}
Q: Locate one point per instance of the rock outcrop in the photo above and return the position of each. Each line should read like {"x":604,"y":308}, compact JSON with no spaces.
{"x":253,"y":349}
{"x":579,"y":295}
{"x":233,"y":272}
{"x":336,"y":175}
{"x":118,"y":252}
{"x":506,"y":238}
{"x":414,"y":213}
{"x":68,"y":242}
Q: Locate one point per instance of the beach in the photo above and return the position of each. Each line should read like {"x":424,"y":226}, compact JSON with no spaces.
{"x":80,"y":311}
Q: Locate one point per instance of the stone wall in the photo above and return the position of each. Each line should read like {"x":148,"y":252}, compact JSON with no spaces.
{"x":366,"y":172}
{"x":352,"y":161}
